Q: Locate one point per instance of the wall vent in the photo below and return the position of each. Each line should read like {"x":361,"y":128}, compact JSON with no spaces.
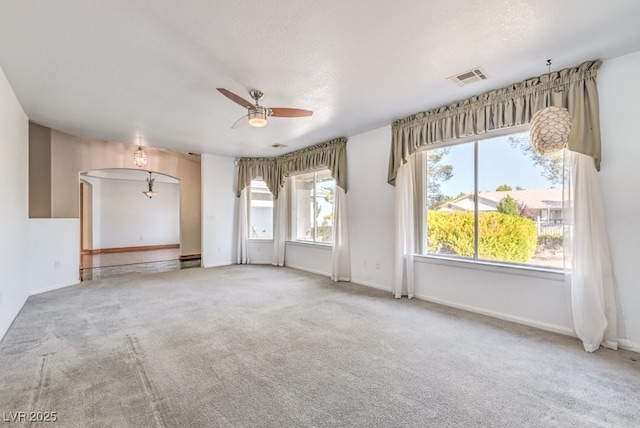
{"x":278,"y":146}
{"x":471,"y":76}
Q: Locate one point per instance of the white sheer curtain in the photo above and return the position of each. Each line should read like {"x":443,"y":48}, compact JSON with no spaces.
{"x":243,"y":226}
{"x":279,"y":227}
{"x":592,"y":282}
{"x":404,"y":231}
{"x":340,"y":254}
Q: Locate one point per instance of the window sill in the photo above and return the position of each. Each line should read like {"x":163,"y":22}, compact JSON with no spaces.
{"x":258,"y":240}
{"x":528,"y":271}
{"x":311,"y":244}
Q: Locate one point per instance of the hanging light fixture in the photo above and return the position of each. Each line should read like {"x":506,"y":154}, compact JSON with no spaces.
{"x":139,"y":158}
{"x":550,"y":127}
{"x":150,"y":193}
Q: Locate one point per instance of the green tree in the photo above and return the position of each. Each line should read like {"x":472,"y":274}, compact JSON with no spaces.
{"x":329,"y":196}
{"x":508,"y":205}
{"x":551,"y":163}
{"x":437,"y":173}
{"x":503,"y":188}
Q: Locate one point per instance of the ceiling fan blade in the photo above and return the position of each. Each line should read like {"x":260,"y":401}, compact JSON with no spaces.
{"x":289,"y":112}
{"x":235,"y":98}
{"x":242,"y":121}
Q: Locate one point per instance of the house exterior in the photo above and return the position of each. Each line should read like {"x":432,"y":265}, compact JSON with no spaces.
{"x":545,"y":206}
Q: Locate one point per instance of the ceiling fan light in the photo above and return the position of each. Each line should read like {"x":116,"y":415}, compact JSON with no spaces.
{"x":258,"y":118}
{"x":150,"y":193}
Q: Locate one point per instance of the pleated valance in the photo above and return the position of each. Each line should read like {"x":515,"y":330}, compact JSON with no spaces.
{"x":332,"y":154}
{"x":250,"y":168}
{"x":573,"y":88}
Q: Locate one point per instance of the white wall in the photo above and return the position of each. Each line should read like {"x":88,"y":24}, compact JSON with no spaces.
{"x":219,"y":206}
{"x":127,"y":218}
{"x":308,"y":257}
{"x":619,"y":91}
{"x":54,"y":257}
{"x":14,"y":209}
{"x":260,"y":251}
{"x":370,"y":204}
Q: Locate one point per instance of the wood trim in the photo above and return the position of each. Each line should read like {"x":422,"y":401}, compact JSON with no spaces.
{"x":188,"y":257}
{"x":130,"y":249}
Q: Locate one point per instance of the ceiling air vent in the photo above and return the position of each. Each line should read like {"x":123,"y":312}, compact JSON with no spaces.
{"x":278,"y":146}
{"x":474,"y":75}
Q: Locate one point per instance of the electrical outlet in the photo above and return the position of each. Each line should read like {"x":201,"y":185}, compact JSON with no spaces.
{"x":377,"y":265}
{"x":56,"y":265}
{"x":0,"y":298}
{"x":365,"y":263}
{"x":141,"y":238}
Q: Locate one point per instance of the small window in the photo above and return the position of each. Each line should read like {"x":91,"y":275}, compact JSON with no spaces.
{"x":313,"y":195}
{"x":261,"y":212}
{"x":496,"y":200}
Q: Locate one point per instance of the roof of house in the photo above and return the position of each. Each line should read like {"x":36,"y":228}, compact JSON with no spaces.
{"x":532,"y":198}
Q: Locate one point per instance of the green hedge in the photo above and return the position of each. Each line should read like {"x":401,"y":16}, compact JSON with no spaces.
{"x":550,"y":242}
{"x":504,"y":237}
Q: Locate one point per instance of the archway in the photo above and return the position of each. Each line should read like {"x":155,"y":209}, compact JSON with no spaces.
{"x":121,"y":226}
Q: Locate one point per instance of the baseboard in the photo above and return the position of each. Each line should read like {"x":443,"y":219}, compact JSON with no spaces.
{"x":55,"y":287}
{"x":188,"y":257}
{"x":628,"y":345}
{"x":218,"y":265}
{"x":304,"y":269}
{"x":371,"y":284}
{"x":130,"y":249}
{"x":525,"y":321}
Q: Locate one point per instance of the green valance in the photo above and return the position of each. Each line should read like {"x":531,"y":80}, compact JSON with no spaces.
{"x":573,"y":88}
{"x":332,"y":155}
{"x":250,"y":168}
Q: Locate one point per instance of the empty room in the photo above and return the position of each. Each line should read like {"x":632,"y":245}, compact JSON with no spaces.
{"x":319,"y":214}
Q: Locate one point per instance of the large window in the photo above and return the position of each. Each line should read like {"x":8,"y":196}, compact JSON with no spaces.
{"x":313,"y":195}
{"x":496,"y":200}
{"x":261,"y":211}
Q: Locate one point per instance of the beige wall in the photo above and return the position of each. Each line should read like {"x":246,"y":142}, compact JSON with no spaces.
{"x":86,"y":222}
{"x":39,"y":171}
{"x":71,"y":155}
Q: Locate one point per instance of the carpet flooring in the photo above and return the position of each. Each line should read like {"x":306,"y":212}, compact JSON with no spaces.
{"x":244,"y":346}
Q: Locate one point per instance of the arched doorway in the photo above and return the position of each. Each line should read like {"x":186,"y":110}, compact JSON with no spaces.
{"x":124,"y":230}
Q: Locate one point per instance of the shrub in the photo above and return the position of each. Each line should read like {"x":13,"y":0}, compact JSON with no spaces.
{"x":503,"y":237}
{"x":550,"y":242}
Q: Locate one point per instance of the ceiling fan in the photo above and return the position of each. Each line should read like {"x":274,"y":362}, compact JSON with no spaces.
{"x":256,"y":114}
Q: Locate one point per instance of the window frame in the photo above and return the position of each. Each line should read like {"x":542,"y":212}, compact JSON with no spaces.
{"x":293,"y":208}
{"x":249,"y":208}
{"x":521,"y":269}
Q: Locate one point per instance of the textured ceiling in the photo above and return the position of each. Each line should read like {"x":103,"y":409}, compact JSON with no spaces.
{"x":146,"y":71}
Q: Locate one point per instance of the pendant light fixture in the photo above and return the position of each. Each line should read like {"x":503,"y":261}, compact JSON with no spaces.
{"x":140,"y":158}
{"x":550,"y":127}
{"x":150,"y":193}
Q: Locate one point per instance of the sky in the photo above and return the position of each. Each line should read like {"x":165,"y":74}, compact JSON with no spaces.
{"x":498,"y":163}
